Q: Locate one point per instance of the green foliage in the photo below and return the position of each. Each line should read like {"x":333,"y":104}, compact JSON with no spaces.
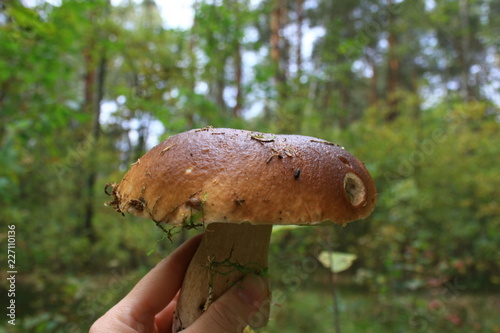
{"x":408,"y":87}
{"x":366,"y":312}
{"x":437,"y":160}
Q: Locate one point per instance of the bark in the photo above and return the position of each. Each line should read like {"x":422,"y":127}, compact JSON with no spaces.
{"x":88,"y":107}
{"x":192,"y":69}
{"x":373,"y":94}
{"x":344,"y":105}
{"x":300,"y":23}
{"x":238,"y":69}
{"x":333,"y":286}
{"x":278,"y":55}
{"x":284,"y":47}
{"x":275,"y":38}
{"x":464,"y":52}
{"x":4,"y":90}
{"x":94,"y":77}
{"x":89,"y":79}
{"x":275,"y":52}
{"x":393,"y":77}
{"x":220,"y":85}
{"x":94,"y":82}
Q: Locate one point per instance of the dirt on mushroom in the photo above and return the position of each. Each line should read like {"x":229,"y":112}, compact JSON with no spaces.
{"x":234,"y":185}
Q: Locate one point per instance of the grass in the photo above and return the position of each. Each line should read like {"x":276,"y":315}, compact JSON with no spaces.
{"x":73,"y":303}
{"x":312,"y":311}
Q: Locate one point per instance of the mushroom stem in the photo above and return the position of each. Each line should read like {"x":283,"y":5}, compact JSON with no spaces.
{"x":227,"y":253}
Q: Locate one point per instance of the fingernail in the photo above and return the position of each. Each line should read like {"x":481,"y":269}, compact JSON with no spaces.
{"x":253,"y":290}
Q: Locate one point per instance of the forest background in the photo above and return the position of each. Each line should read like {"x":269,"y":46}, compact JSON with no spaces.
{"x":412,"y":88}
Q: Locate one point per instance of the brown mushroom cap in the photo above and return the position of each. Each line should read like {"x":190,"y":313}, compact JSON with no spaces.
{"x":234,"y":176}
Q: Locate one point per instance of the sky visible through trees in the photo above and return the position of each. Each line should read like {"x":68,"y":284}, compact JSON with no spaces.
{"x":412,"y":88}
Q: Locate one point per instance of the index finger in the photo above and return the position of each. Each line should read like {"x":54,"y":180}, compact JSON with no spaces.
{"x":161,"y":284}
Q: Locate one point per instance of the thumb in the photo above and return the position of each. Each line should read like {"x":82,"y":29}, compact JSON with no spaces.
{"x":246,"y":303}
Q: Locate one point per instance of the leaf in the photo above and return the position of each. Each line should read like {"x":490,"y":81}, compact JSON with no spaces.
{"x":278,"y":228}
{"x":248,"y":329}
{"x":336,"y":261}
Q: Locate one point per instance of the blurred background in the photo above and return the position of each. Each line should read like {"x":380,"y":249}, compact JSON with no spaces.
{"x":412,"y":88}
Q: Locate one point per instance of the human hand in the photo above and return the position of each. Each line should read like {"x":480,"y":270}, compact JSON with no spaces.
{"x":150,"y":306}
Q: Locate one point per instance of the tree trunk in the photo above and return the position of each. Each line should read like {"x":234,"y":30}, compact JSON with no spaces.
{"x":220,"y":86}
{"x":278,"y":17}
{"x":238,"y":69}
{"x":466,"y":91}
{"x":275,"y":24}
{"x":275,"y":52}
{"x":344,"y":116}
{"x":373,"y":94}
{"x":300,"y":23}
{"x":88,"y":107}
{"x":192,"y":69}
{"x":93,"y":104}
{"x":393,"y":78}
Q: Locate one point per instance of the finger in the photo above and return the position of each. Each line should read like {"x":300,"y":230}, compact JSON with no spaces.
{"x":245,"y":303}
{"x":161,"y":284}
{"x":165,"y":318}
{"x":137,"y":310}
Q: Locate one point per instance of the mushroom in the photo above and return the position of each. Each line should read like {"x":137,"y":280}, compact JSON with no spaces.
{"x":235,"y":184}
